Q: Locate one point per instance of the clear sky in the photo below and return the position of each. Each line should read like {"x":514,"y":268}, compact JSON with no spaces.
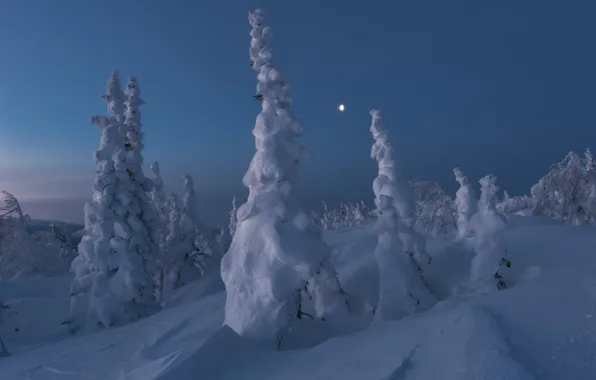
{"x":506,"y":87}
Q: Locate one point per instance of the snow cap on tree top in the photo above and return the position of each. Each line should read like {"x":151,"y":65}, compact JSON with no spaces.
{"x":460,"y":177}
{"x":378,"y":127}
{"x":114,"y":96}
{"x":259,"y":53}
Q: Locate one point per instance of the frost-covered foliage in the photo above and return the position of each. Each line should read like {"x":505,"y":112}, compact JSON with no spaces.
{"x":488,"y":226}
{"x":515,"y":204}
{"x":566,"y":192}
{"x":276,"y":271}
{"x":233,"y":218}
{"x":159,"y":199}
{"x":465,"y":203}
{"x":46,"y":252}
{"x":347,"y":215}
{"x":115,"y":266}
{"x":189,"y":259}
{"x":402,"y":287}
{"x":434,"y":213}
{"x":16,"y":248}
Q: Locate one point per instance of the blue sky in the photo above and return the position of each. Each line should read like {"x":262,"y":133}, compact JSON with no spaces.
{"x":504,"y":87}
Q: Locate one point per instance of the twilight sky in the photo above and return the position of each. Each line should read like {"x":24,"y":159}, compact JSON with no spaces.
{"x":493,"y":86}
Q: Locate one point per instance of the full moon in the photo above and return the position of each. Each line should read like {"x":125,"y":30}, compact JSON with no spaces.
{"x":341,"y":108}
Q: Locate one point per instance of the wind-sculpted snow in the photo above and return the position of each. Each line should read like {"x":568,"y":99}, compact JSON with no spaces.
{"x":542,"y":328}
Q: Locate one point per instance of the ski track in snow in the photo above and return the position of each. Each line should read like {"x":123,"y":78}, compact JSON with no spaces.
{"x":543,"y":327}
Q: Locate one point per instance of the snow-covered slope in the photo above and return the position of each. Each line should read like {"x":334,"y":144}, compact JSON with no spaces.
{"x":543,"y":327}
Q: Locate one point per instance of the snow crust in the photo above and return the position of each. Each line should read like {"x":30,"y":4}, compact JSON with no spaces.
{"x":499,"y":335}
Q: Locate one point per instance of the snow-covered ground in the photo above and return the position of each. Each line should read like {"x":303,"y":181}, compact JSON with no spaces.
{"x":542,"y":327}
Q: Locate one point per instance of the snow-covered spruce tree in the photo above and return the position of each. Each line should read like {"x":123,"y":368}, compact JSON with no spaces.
{"x":277,"y":260}
{"x":465,"y":204}
{"x":115,"y":266}
{"x":488,"y":226}
{"x":159,"y":199}
{"x":193,"y":242}
{"x":402,"y":287}
{"x":233,"y":218}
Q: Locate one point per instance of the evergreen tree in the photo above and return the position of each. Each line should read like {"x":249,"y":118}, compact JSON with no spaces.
{"x":115,"y":265}
{"x":402,"y":287}
{"x":277,"y":260}
{"x":464,"y":203}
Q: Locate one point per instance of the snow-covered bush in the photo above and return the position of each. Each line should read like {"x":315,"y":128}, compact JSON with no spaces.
{"x":566,"y":191}
{"x":515,"y":204}
{"x":434,"y":212}
{"x":46,"y":252}
{"x":465,"y":203}
{"x":348,"y":215}
{"x":276,"y":271}
{"x":116,"y":262}
{"x":402,"y":287}
{"x":233,"y":218}
{"x":488,"y":226}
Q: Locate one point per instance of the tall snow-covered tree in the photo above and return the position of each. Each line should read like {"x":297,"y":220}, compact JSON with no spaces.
{"x":488,"y":226}
{"x":115,"y":266}
{"x":402,"y":287}
{"x":276,"y":260}
{"x":464,"y":203}
{"x":192,"y":239}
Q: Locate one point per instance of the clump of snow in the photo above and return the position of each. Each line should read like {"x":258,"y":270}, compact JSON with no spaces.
{"x":233,"y":218}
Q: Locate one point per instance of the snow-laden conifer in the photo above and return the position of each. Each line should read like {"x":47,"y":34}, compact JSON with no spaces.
{"x":488,"y":226}
{"x":465,"y":205}
{"x":402,"y":287}
{"x":276,"y":259}
{"x":115,"y":265}
{"x":191,"y":238}
{"x":160,"y":202}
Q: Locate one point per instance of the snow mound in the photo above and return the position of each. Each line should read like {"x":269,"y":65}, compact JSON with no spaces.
{"x":542,"y":328}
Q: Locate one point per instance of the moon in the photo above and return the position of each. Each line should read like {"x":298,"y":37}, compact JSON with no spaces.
{"x":341,"y":108}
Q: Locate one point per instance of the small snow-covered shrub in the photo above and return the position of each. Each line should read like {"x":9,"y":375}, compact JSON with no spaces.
{"x":516,"y":204}
{"x":347,"y":215}
{"x":434,"y":211}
